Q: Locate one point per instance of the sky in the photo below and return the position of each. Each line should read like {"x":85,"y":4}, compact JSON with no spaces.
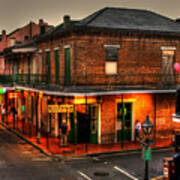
{"x":17,"y":13}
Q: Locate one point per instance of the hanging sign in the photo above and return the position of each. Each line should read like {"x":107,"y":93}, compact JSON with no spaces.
{"x":64,"y":108}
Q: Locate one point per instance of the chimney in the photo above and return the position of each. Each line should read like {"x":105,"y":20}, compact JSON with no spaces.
{"x":41,"y":22}
{"x":3,"y":33}
{"x":42,"y":26}
{"x":67,"y":20}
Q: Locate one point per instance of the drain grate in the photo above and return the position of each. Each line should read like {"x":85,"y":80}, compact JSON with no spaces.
{"x":101,"y":173}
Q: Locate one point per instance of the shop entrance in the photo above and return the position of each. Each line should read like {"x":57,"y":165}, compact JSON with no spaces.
{"x":87,"y":123}
{"x":83,"y":127}
{"x":124,"y":121}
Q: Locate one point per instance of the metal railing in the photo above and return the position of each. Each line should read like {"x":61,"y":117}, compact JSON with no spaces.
{"x":94,"y":80}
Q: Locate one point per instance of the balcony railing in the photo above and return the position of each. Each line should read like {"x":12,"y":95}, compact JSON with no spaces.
{"x":94,"y":80}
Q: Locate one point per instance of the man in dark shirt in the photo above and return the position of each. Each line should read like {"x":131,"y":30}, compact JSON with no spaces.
{"x":177,"y":163}
{"x":63,"y":133}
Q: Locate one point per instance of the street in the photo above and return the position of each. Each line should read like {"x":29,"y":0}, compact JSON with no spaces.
{"x":21,"y":161}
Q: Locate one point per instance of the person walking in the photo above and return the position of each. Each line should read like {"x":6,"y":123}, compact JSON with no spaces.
{"x":14,"y":112}
{"x":63,"y":133}
{"x":137,"y":130}
{"x":3,"y":113}
{"x":176,"y":160}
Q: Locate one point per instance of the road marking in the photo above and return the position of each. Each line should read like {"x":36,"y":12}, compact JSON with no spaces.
{"x":156,"y":178}
{"x":125,"y":173}
{"x":84,"y":175}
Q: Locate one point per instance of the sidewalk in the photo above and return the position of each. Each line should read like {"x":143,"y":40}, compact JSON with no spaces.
{"x":50,"y":146}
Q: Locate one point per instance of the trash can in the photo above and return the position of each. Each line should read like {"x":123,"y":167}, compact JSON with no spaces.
{"x":168,"y":168}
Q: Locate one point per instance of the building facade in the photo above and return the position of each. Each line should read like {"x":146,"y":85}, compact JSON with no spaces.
{"x":101,"y":74}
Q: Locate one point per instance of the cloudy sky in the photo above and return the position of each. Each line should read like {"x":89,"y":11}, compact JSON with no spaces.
{"x":16,"y":13}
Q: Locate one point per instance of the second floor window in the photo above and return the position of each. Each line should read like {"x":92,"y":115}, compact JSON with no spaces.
{"x":111,"y":60}
{"x":12,"y":41}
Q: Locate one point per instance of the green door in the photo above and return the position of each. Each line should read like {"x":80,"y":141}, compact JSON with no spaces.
{"x":67,"y":73}
{"x":124,"y":121}
{"x":48,"y":67}
{"x":57,"y":65}
{"x":94,"y":114}
{"x":29,"y":69}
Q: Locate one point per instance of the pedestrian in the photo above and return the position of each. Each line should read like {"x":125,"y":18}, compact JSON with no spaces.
{"x":63,"y":133}
{"x":3,"y":113}
{"x":176,"y":160}
{"x":137,"y":130}
{"x":14,"y":112}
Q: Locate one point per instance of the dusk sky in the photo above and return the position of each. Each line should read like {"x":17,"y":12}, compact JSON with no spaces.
{"x":17,"y":13}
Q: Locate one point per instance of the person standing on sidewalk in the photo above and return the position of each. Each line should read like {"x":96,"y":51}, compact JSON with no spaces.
{"x":63,"y":133}
{"x":176,"y":159}
{"x":137,"y":130}
{"x":3,"y":113}
{"x":14,"y":112}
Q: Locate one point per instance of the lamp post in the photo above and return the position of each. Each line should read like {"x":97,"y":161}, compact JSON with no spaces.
{"x":147,"y":129}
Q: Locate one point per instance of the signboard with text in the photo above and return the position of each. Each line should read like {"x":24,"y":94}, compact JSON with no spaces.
{"x":64,"y":108}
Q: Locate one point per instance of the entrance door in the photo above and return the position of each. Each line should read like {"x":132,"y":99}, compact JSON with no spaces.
{"x":83,"y":127}
{"x":124,"y":121}
{"x":94,"y":114}
{"x":67,"y":72}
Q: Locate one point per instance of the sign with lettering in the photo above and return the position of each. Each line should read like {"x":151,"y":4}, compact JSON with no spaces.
{"x":12,"y":95}
{"x":64,"y":108}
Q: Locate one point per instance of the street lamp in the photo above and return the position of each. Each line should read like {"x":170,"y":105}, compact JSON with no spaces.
{"x":147,"y":126}
{"x":147,"y":129}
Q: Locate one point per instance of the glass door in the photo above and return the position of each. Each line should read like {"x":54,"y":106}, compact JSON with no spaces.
{"x":124,"y":121}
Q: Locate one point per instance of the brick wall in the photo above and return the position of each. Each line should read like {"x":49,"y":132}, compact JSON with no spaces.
{"x":135,"y":56}
{"x":143,"y":105}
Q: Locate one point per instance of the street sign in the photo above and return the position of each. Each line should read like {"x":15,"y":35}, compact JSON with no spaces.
{"x":147,"y":154}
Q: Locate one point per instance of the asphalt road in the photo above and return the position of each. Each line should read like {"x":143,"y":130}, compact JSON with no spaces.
{"x":21,"y":161}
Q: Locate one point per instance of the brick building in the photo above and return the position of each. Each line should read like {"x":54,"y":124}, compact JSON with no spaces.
{"x":101,"y":74}
{"x":20,"y":35}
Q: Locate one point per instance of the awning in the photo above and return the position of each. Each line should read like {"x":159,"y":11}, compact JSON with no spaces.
{"x":24,"y":50}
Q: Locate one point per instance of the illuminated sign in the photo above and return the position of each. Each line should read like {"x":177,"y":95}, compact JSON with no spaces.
{"x":12,"y":95}
{"x":64,"y":108}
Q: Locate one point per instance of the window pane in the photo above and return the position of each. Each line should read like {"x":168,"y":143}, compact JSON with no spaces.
{"x":111,"y":54}
{"x":111,"y":68}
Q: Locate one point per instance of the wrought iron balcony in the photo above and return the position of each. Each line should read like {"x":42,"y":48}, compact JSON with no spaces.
{"x":154,"y":80}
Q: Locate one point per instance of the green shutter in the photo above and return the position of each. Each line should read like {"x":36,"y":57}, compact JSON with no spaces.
{"x":57,"y":65}
{"x":94,"y":110}
{"x":67,"y":75}
{"x":48,"y":62}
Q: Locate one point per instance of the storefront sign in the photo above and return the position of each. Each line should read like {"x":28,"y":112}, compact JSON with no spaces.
{"x":12,"y":95}
{"x":64,"y":108}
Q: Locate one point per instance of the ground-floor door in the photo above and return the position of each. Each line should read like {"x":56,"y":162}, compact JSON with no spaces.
{"x":87,"y":123}
{"x":124,"y":122}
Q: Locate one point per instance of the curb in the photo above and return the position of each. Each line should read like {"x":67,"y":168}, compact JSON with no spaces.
{"x":28,"y":141}
{"x":58,"y":157}
{"x":123,"y":152}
